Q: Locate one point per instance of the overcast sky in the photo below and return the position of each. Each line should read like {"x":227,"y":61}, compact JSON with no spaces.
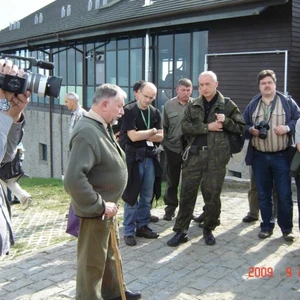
{"x":16,"y":10}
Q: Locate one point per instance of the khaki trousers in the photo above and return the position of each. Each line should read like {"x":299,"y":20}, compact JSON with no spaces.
{"x":96,"y":266}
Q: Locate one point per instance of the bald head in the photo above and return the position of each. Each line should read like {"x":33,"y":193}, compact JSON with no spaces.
{"x":146,"y":95}
{"x":208,"y":84}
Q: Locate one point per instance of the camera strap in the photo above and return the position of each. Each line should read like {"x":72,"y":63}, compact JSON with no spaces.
{"x":271,"y":111}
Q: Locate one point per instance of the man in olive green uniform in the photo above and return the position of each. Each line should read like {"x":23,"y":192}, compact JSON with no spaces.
{"x":205,"y":124}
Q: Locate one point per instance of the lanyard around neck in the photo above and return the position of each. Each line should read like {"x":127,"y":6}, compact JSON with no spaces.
{"x":147,"y":124}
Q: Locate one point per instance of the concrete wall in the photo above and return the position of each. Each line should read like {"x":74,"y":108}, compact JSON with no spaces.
{"x":37,"y":132}
{"x":236,"y":166}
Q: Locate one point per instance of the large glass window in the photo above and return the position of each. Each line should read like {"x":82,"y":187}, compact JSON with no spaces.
{"x":111,"y":70}
{"x":165,"y":60}
{"x":123,"y":68}
{"x":136,"y":65}
{"x":100,"y":70}
{"x":79,"y":62}
{"x":62,"y":66}
{"x":112,"y":45}
{"x":90,"y":64}
{"x":71,"y":66}
{"x":200,"y":48}
{"x":90,"y":93}
{"x":182,"y":57}
{"x":179,"y":55}
{"x":136,"y":42}
{"x":123,"y":43}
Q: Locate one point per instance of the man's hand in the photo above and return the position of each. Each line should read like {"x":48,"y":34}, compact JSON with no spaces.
{"x":220,"y":118}
{"x":111,"y":209}
{"x":281,"y":129}
{"x":254,"y":131}
{"x":17,"y":102}
{"x":215,"y":126}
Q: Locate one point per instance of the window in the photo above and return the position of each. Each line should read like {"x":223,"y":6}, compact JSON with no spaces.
{"x":43,"y":152}
{"x":180,"y":55}
{"x":111,"y":72}
{"x":123,"y":68}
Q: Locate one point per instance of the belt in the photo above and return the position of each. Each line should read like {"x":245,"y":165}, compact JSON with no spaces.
{"x":203,"y":148}
{"x":193,"y":150}
{"x":272,"y":153}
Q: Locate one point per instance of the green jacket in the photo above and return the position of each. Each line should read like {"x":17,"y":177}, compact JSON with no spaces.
{"x":217,"y":141}
{"x":96,"y":169}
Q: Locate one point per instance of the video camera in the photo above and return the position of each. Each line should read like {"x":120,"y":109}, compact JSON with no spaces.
{"x":36,"y":83}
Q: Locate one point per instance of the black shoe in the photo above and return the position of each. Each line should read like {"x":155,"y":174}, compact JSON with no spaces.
{"x":129,"y":296}
{"x":154,"y":219}
{"x":289,"y":237}
{"x":209,"y":237}
{"x":146,"y":232}
{"x":15,"y":201}
{"x":177,"y":239}
{"x":168,"y":217}
{"x":265,"y":234}
{"x":130,"y":240}
{"x":199,"y":219}
{"x":249,"y":219}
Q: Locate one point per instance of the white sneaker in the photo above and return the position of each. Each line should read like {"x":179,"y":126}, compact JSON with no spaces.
{"x":26,"y":203}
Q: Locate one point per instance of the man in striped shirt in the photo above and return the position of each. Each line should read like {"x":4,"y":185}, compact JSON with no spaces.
{"x":271,"y":118}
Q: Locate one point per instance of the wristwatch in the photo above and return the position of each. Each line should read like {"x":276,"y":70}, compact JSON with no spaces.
{"x":4,"y":104}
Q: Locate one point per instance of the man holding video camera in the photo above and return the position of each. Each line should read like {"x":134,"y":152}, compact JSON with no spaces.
{"x":271,"y":118}
{"x":11,"y":124}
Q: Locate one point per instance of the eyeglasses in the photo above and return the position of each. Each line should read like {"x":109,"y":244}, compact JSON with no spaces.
{"x":148,"y":97}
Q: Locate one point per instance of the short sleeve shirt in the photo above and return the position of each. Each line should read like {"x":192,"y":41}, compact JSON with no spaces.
{"x":133,"y":120}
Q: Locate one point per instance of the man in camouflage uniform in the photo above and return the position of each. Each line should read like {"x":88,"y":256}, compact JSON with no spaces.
{"x":205,"y":122}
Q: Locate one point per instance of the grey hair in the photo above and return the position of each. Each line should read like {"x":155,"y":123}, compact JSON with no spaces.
{"x":73,"y":96}
{"x":210,"y":73}
{"x":108,"y":91}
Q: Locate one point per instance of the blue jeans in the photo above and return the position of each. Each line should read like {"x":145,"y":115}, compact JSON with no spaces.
{"x":297,"y":181}
{"x":269,"y":168}
{"x":138,"y":215}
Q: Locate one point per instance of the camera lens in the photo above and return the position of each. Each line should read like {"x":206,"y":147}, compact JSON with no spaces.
{"x":53,"y":86}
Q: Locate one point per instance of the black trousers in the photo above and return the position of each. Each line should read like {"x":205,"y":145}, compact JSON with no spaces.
{"x":173,"y":171}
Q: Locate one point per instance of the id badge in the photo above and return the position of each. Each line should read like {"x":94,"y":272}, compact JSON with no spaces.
{"x":150,"y":144}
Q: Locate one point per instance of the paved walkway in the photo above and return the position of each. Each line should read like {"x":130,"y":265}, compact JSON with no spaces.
{"x":237,"y":267}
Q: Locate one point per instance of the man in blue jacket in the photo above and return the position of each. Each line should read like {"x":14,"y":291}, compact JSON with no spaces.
{"x":271,"y":119}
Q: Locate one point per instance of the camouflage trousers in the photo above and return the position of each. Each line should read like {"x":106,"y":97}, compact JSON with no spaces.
{"x":198,"y":171}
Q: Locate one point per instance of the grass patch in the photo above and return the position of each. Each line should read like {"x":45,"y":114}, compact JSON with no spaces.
{"x":49,"y":193}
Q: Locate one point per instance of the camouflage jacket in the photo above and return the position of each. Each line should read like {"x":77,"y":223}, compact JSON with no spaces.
{"x":217,"y":141}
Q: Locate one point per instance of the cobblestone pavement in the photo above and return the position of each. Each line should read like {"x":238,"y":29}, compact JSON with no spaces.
{"x":239,"y":266}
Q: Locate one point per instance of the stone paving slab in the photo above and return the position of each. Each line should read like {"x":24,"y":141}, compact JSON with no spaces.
{"x":237,"y":267}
